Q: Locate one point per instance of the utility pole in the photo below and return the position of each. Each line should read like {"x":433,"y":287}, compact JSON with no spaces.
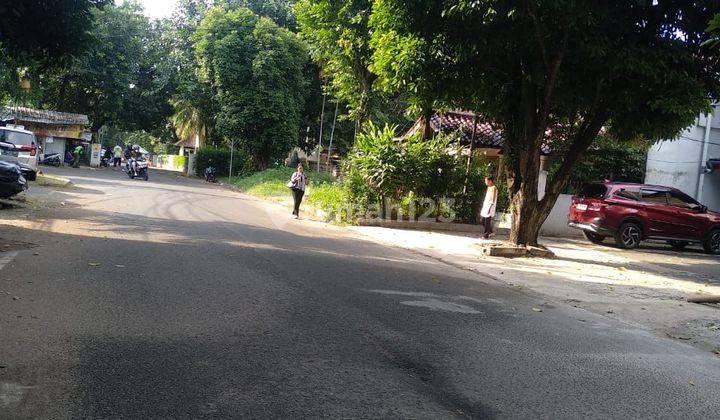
{"x":332,"y":133}
{"x":322,"y":117}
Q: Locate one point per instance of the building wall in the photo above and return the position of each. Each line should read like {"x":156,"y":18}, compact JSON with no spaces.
{"x":57,"y":146}
{"x":678,"y":163}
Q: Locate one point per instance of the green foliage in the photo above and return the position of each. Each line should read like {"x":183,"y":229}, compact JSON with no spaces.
{"x":189,"y":120}
{"x":338,"y":38}
{"x":220,"y":159}
{"x":407,"y":62}
{"x":273,"y":182}
{"x":564,"y":67}
{"x":110,"y":136}
{"x":413,"y":172}
{"x":255,"y":70}
{"x":116,"y":79}
{"x":331,"y":198}
{"x":65,"y":27}
{"x":608,"y":159}
{"x":714,"y":30}
{"x":280,"y":11}
{"x":172,"y":161}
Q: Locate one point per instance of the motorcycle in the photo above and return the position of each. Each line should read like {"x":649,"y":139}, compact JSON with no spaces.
{"x":104,"y":162}
{"x":210,"y":174}
{"x":52,"y":159}
{"x":137,"y":168}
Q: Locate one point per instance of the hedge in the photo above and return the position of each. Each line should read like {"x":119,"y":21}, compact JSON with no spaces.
{"x":221,"y":161}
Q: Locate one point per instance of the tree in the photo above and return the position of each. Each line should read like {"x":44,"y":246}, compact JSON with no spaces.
{"x":25,"y":50}
{"x":337,"y":35}
{"x":190,"y":122}
{"x":255,"y":71}
{"x":556,"y":72}
{"x":279,"y":11}
{"x":117,"y":79}
{"x":714,"y":30}
{"x":45,"y":29}
{"x":408,"y":63}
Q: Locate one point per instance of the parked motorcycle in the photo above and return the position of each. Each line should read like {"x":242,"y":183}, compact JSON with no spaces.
{"x":104,"y":162}
{"x":52,"y":159}
{"x":137,"y":168}
{"x":210,"y":174}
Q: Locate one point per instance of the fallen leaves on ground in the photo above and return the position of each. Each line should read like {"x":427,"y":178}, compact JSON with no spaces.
{"x":94,"y":264}
{"x":537,"y":309}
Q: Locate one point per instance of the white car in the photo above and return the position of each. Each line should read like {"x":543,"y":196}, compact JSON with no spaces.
{"x":20,"y":147}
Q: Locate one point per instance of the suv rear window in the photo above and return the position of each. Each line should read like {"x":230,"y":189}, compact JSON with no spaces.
{"x":628,"y":194}
{"x":16,"y":138}
{"x":593,"y":191}
{"x":654,"y":196}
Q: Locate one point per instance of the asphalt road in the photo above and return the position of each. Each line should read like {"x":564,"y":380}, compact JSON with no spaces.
{"x":175,"y":299}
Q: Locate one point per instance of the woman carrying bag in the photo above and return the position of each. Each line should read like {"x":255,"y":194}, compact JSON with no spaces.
{"x":298,"y":182}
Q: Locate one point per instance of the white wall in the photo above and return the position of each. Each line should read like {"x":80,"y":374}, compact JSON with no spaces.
{"x":555,"y":224}
{"x":678,"y":163}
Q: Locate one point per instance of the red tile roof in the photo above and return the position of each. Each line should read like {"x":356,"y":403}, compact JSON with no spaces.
{"x":487,"y":133}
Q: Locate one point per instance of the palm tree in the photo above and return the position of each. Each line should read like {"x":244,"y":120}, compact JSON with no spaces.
{"x":190,"y":121}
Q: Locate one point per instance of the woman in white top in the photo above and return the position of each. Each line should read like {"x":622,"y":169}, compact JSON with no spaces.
{"x":298,"y":182}
{"x":489,"y":204}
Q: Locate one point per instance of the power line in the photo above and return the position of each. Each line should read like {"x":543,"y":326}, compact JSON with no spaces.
{"x":695,"y":140}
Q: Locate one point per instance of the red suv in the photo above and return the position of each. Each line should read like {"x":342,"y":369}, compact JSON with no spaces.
{"x":631,"y":213}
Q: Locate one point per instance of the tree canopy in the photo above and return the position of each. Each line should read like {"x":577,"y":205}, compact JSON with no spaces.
{"x":256,"y":72}
{"x":554,"y":71}
{"x":337,"y":36}
{"x":46,"y":28}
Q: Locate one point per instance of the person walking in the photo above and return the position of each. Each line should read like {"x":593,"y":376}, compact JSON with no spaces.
{"x":488,"y":209}
{"x":298,"y":182}
{"x":117,"y":155}
{"x":79,"y":150}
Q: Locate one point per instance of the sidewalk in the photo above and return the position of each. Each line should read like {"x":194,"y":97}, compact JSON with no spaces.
{"x":645,"y":287}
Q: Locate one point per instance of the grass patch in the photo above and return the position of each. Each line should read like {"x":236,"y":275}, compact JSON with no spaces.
{"x":273,"y":182}
{"x":45,"y":180}
{"x":324,"y":191}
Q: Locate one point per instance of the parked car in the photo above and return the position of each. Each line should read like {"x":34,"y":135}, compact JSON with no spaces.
{"x":12,"y":180}
{"x":20,"y":146}
{"x":631,"y":213}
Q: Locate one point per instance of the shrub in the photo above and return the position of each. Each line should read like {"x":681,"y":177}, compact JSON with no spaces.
{"x":221,"y":161}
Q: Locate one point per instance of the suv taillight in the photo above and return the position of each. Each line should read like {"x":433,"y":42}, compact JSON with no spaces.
{"x":31,"y":149}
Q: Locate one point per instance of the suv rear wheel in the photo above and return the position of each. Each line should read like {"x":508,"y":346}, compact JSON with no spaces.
{"x":712,"y":243}
{"x":629,"y":235}
{"x":678,"y":245}
{"x":593,"y":237}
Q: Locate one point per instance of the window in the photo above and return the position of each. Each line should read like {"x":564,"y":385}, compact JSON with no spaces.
{"x":654,"y":196}
{"x":593,"y":191}
{"x":16,"y":138}
{"x":678,"y":199}
{"x":628,"y":194}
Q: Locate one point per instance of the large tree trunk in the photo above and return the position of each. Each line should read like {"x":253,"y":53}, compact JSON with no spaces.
{"x":529,"y":213}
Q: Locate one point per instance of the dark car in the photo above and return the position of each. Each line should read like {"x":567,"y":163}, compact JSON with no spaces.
{"x":631,"y":213}
{"x":12,"y":180}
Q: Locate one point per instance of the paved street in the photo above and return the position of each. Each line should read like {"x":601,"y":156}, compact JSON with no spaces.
{"x":172,"y":298}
